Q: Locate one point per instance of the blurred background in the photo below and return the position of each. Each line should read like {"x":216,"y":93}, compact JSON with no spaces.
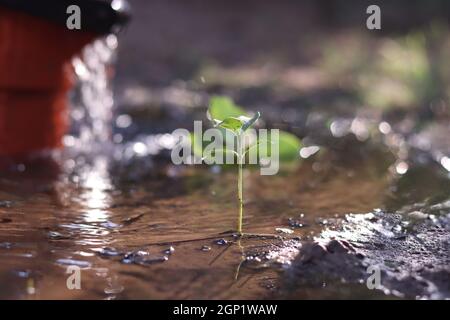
{"x":287,"y":55}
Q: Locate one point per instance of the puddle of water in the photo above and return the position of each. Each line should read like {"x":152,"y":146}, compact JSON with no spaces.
{"x":171,"y":246}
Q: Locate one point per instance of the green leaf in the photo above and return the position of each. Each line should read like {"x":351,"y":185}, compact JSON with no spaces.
{"x":198,"y":145}
{"x":237,"y":125}
{"x":221,"y":107}
{"x":289,"y":146}
{"x":231,"y":123}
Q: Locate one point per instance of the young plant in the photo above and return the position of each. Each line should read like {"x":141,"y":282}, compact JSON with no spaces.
{"x":234,"y":122}
{"x":237,"y":126}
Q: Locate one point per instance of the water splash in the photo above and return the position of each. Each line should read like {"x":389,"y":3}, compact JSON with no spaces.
{"x":92,"y":98}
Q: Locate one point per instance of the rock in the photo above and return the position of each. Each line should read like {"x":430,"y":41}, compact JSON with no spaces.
{"x":312,"y":251}
{"x":342,"y":246}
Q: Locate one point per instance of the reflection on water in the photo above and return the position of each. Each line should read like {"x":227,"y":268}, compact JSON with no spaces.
{"x":131,"y":242}
{"x":95,"y":198}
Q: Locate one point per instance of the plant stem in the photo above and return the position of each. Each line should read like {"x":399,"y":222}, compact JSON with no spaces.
{"x":240,"y":185}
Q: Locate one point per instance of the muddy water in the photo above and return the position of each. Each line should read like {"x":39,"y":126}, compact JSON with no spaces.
{"x":169,"y":235}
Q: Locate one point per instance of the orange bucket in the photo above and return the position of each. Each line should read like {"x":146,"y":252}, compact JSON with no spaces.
{"x":35,"y":77}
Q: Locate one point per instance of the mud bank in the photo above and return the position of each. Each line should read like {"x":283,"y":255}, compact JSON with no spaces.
{"x":410,"y":250}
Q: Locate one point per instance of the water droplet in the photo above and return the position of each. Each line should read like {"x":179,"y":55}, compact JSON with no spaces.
{"x":384,"y":127}
{"x":127,"y":261}
{"x":445,"y":162}
{"x":142,"y":257}
{"x":221,"y":242}
{"x":401,"y":167}
{"x":169,"y":250}
{"x":72,"y":262}
{"x":123,"y":121}
{"x":340,"y":127}
{"x":253,"y":259}
{"x":110,"y":252}
{"x":22,"y":273}
{"x":140,"y":149}
{"x":110,"y":225}
{"x":114,"y":287}
{"x":237,"y":236}
{"x":307,"y":152}
{"x":55,"y":235}
{"x":152,"y":259}
{"x":294,"y":223}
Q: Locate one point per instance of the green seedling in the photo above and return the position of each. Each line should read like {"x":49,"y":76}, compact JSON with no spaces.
{"x":235,"y":123}
{"x":237,"y":126}
{"x":226,"y":115}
